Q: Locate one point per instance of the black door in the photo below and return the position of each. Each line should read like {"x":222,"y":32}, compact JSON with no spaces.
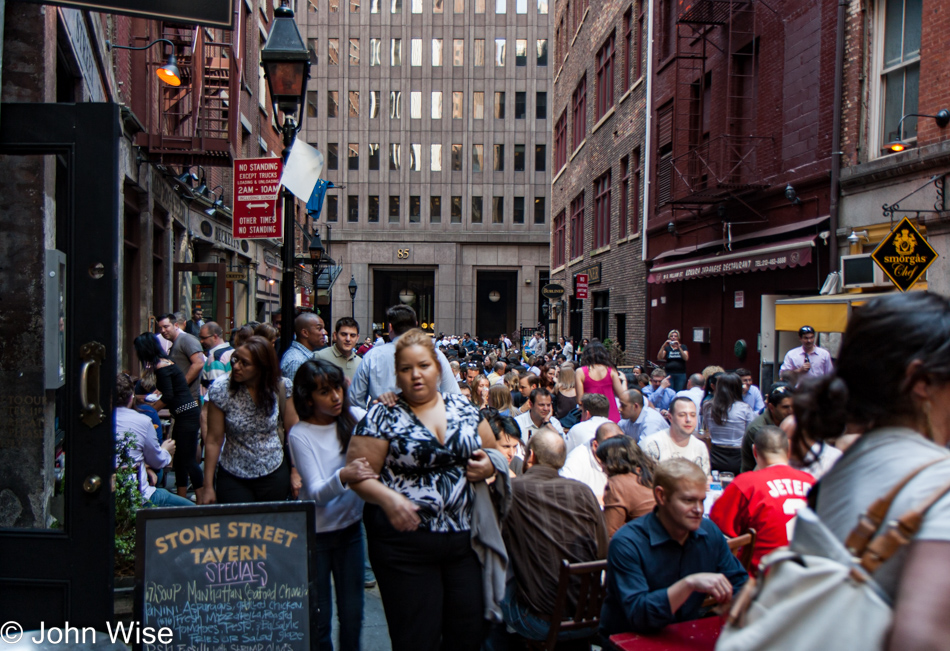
{"x":58,"y":360}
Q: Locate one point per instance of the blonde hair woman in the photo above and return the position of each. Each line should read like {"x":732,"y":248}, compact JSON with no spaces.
{"x":480,"y":386}
{"x":499,"y":397}
{"x":565,"y":394}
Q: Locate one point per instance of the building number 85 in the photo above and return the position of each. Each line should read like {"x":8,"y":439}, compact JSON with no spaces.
{"x":402,"y":254}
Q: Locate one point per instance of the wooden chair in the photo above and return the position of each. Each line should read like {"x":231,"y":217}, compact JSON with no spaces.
{"x":745,"y":542}
{"x":590,"y":597}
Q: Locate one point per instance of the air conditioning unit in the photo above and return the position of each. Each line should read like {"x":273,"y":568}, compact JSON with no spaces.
{"x":861,"y":271}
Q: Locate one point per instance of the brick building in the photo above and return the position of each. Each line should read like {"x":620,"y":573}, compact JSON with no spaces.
{"x":740,"y":170}
{"x":599,"y":114}
{"x":896,"y":63}
{"x":167,"y":206}
{"x":435,"y":116}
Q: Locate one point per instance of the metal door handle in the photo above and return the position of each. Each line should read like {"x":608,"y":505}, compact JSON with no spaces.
{"x":92,"y":354}
{"x":92,"y":483}
{"x":83,"y":385}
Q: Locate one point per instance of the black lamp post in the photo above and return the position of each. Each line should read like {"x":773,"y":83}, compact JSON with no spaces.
{"x":286,"y":62}
{"x":352,"y":287}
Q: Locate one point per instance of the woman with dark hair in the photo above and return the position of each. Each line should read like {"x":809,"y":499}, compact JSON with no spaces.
{"x":598,"y":375}
{"x":629,"y":490}
{"x":427,"y":450}
{"x":549,"y":376}
{"x":726,"y":418}
{"x":185,"y":411}
{"x":243,"y":442}
{"x":318,"y":444}
{"x":891,"y":385}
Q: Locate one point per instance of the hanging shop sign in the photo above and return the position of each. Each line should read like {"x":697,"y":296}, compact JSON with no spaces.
{"x":553,"y":292}
{"x":904,"y":255}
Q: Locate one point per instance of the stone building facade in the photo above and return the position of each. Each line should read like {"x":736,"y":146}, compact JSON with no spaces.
{"x":600,"y":114}
{"x":434,"y":119}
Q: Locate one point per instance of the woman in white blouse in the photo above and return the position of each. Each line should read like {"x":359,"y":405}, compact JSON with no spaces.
{"x":318,"y":445}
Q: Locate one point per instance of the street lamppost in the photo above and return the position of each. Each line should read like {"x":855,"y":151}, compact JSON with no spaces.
{"x":352,"y":287}
{"x":286,"y":63}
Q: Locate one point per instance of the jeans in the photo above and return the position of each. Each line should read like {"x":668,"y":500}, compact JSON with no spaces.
{"x":340,"y":553}
{"x":527,"y":625}
{"x":162,"y":497}
{"x":431,"y":585}
{"x":677,"y":381}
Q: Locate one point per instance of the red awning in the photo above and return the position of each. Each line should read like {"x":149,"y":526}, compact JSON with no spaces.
{"x":779,"y":255}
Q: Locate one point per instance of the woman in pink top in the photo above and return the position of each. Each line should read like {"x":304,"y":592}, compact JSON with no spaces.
{"x":598,"y":375}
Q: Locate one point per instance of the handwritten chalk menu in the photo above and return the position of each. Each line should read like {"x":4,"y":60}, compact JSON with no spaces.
{"x":227,"y":578}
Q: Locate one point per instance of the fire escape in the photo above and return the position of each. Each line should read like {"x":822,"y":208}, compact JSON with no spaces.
{"x":717,"y":155}
{"x":195,"y":123}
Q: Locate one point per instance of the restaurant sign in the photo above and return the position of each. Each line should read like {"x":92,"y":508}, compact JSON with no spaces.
{"x":904,"y":255}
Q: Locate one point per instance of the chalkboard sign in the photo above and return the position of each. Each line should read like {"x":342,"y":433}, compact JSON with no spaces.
{"x":230,"y":577}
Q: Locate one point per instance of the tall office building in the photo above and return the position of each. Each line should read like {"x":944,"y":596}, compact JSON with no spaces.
{"x":434,"y":116}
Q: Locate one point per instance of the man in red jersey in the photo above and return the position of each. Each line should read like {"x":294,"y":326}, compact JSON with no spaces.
{"x":765,"y":500}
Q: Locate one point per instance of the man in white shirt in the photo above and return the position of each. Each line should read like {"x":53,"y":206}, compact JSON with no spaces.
{"x":376,"y":373}
{"x":568,"y":350}
{"x":539,"y":414}
{"x":594,"y":412}
{"x":638,"y":420}
{"x":581,"y":463}
{"x":695,"y":392}
{"x":678,"y":441}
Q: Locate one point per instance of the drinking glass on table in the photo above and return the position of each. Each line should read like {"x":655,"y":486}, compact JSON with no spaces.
{"x":725,"y":478}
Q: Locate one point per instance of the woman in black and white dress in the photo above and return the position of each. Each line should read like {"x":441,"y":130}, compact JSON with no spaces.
{"x":243,"y":442}
{"x":427,"y":450}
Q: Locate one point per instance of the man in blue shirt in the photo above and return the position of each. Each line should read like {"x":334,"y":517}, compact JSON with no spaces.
{"x":659,"y":392}
{"x":661,"y":567}
{"x":750,"y":393}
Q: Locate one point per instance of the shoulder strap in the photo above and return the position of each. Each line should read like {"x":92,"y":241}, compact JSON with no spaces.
{"x":870,"y":522}
{"x":901,"y":531}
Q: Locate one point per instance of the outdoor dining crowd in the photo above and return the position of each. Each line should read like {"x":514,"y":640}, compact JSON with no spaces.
{"x":512,"y":494}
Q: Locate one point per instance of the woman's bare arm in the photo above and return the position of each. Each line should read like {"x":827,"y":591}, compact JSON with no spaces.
{"x":213,"y":441}
{"x":923,"y":599}
{"x":402,"y":512}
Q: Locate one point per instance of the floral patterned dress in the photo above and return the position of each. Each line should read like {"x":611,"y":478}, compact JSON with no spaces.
{"x":428,"y":473}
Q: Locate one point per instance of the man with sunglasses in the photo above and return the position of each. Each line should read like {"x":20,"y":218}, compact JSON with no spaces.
{"x":778,"y":407}
{"x":807,"y":359}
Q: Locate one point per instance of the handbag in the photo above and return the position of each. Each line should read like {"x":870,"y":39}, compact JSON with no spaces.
{"x":819,"y":593}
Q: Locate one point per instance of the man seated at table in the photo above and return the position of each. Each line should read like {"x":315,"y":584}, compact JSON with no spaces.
{"x":765,"y":500}
{"x":551,"y":519}
{"x":661,"y":567}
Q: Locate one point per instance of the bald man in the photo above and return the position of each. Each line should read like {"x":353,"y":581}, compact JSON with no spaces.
{"x":551,"y":518}
{"x":310,"y":337}
{"x":582,"y":463}
{"x":661,"y":566}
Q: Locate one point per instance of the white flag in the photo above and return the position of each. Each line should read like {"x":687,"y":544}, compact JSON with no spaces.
{"x":303,"y":168}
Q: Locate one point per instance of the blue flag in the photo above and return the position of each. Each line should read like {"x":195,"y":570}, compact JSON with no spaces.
{"x":315,"y":203}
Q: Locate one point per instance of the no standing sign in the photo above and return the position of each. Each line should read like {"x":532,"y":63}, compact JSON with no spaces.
{"x":257,"y":210}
